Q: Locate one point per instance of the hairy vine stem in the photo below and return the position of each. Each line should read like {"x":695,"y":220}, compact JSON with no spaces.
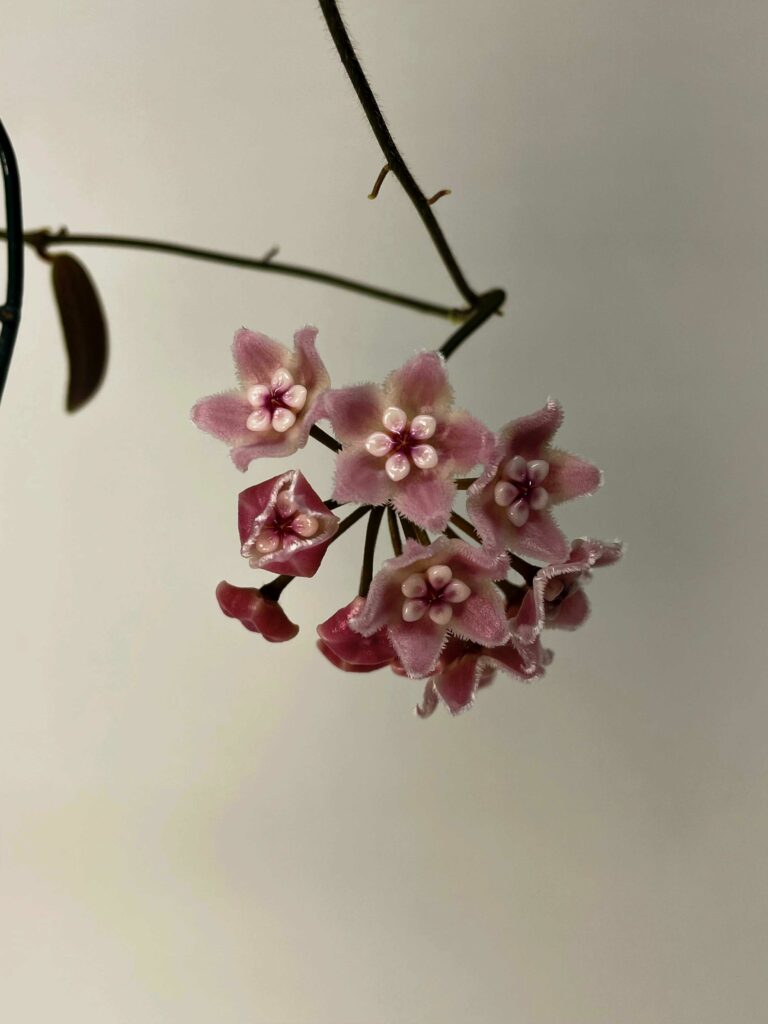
{"x":43,"y":239}
{"x":397,"y":164}
{"x":10,"y":311}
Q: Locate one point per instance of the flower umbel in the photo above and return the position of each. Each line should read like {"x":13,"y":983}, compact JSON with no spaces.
{"x":272,"y":410}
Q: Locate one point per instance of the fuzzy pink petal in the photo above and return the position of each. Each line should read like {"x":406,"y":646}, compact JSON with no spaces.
{"x":425,"y":499}
{"x":481,"y":617}
{"x":309,"y":368}
{"x":257,"y":356}
{"x":224,"y":415}
{"x":467,"y":560}
{"x":529,"y":620}
{"x":257,"y":613}
{"x":611,"y":553}
{"x":464,"y":442}
{"x":523,"y":662}
{"x":571,"y":613}
{"x":491,"y":521}
{"x":350,"y":646}
{"x":528,"y":434}
{"x":354,"y":412}
{"x":420,"y":385}
{"x":418,"y":645}
{"x":457,"y":683}
{"x":540,"y":538}
{"x":361,"y":477}
{"x":570,"y":476}
{"x":277,"y":446}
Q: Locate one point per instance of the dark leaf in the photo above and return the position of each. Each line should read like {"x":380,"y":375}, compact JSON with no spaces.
{"x":85,"y":329}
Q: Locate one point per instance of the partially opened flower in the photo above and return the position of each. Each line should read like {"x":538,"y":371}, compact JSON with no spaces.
{"x":256,"y":611}
{"x":428,"y":593}
{"x":556,"y":598}
{"x":349,"y":650}
{"x":464,"y":668}
{"x":510,"y":503}
{"x":403,"y":442}
{"x":284,"y":525}
{"x":272,"y":410}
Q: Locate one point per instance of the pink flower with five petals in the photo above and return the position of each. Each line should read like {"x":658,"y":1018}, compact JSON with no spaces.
{"x":428,"y":593}
{"x":510,"y":503}
{"x":284,"y":525}
{"x":556,"y":598}
{"x":403,"y":442}
{"x":256,"y":612}
{"x":464,"y":668}
{"x":272,"y":410}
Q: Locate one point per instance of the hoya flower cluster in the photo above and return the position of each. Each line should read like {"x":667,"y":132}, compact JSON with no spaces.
{"x":450,"y":610}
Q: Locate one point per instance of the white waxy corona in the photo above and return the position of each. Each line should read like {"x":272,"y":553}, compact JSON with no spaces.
{"x":519,"y":489}
{"x":433,"y":593}
{"x":403,"y":444}
{"x":275,"y":405}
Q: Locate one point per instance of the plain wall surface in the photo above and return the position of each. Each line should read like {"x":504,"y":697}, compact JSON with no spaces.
{"x":197,"y":826}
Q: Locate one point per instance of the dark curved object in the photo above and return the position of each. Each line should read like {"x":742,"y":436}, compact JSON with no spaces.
{"x":84,"y":326}
{"x":10,"y":312}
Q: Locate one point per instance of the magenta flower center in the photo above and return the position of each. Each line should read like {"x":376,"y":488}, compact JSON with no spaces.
{"x":432,"y":593}
{"x":402,"y":443}
{"x":519,"y":488}
{"x":286,"y":525}
{"x":275,"y":405}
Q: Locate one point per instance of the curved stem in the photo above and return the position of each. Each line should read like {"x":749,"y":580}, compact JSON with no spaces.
{"x":391,"y":153}
{"x":42,"y":240}
{"x":369,"y":551}
{"x":10,"y":312}
{"x":394,"y":531}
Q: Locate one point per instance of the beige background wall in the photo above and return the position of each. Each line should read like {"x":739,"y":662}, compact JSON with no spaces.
{"x":198,"y":827}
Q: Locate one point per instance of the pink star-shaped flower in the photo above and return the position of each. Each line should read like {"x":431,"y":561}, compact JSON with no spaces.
{"x":465,"y":668}
{"x":272,"y":410}
{"x":556,"y":598}
{"x":257,"y":613}
{"x":403,"y":443}
{"x":284,"y":525}
{"x":510,"y":503}
{"x":428,"y":593}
